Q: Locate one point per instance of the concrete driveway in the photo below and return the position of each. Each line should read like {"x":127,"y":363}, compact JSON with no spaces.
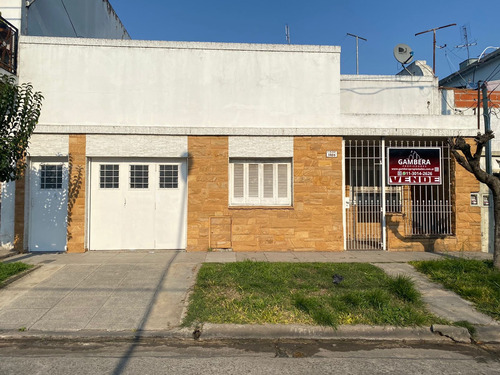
{"x":110,"y":291}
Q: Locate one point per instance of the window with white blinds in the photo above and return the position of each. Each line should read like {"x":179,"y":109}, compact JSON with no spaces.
{"x":260,"y":183}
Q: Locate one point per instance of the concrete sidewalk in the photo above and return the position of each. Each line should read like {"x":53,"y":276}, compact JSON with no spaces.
{"x":125,"y":292}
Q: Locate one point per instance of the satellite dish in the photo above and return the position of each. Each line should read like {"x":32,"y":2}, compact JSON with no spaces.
{"x":403,"y":53}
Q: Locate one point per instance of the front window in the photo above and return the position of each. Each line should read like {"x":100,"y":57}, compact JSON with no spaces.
{"x":260,"y":182}
{"x":109,"y":176}
{"x":51,"y":176}
{"x":139,"y":176}
{"x":169,"y":176}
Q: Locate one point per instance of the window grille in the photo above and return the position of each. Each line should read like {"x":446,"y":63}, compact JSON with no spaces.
{"x":9,"y":36}
{"x":169,"y":176}
{"x":428,"y":209}
{"x":139,"y":176}
{"x":110,"y":176}
{"x":51,"y":176}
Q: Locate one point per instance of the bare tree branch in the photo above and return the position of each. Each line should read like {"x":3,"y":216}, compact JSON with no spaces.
{"x":461,"y":150}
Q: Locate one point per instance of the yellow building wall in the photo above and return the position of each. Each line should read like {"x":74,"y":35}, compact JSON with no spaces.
{"x":76,"y":193}
{"x":312,"y":223}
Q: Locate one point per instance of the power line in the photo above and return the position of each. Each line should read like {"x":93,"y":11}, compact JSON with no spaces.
{"x":69,"y":18}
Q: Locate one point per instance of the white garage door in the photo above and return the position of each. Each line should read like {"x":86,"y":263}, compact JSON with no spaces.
{"x":138,"y":204}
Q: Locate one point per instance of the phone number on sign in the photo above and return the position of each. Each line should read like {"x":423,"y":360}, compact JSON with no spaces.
{"x":417,"y":173}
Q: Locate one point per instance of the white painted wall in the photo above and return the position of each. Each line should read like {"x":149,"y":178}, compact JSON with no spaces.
{"x":48,"y":145}
{"x":416,"y":95}
{"x":149,"y":83}
{"x":137,"y":146}
{"x":260,"y":147}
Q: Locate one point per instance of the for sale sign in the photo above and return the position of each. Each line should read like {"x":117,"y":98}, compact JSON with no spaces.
{"x":414,"y":166}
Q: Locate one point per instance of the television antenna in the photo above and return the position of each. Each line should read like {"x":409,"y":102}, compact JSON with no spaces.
{"x":357,"y":61}
{"x":434,"y":43}
{"x":287,"y":33}
{"x":465,"y":41}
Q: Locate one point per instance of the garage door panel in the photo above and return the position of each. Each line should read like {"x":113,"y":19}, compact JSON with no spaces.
{"x":171,"y":206}
{"x":145,"y":210}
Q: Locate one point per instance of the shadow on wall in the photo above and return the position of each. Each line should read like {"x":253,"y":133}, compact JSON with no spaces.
{"x":6,"y":228}
{"x":427,"y":242}
{"x":54,"y":189}
{"x":183,"y":214}
{"x":75,"y":180}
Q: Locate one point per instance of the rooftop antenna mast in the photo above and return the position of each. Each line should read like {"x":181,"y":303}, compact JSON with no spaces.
{"x":287,"y":33}
{"x":357,"y":51}
{"x":434,"y":43}
{"x":465,"y":39}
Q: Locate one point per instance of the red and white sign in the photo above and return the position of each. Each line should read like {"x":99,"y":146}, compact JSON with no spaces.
{"x":414,"y":166}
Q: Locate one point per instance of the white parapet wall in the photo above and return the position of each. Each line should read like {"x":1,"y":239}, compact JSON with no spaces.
{"x":375,"y":94}
{"x":151,"y":83}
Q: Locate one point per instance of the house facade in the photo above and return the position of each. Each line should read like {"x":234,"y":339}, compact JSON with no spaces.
{"x":243,"y":147}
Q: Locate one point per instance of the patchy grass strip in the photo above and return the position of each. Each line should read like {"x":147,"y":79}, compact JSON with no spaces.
{"x":304,"y":293}
{"x":10,"y":269}
{"x":474,"y":280}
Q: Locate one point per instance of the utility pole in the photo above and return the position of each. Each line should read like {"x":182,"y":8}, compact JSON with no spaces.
{"x":357,"y":59}
{"x":487,"y":127}
{"x":434,"y":43}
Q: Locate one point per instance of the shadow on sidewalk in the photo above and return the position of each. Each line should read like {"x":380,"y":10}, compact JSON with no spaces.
{"x":121,"y":366}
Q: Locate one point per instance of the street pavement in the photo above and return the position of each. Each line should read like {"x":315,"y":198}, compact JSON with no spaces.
{"x":132,"y":293}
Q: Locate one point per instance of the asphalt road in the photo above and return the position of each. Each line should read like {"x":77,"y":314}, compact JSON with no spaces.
{"x":157,"y":356}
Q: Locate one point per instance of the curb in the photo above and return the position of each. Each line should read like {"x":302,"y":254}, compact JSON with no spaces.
{"x":457,"y":334}
{"x":293,"y":331}
{"x":7,"y":254}
{"x":212,"y":332}
{"x":17,"y":276}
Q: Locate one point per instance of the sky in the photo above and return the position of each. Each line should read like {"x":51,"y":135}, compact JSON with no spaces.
{"x":326,"y":22}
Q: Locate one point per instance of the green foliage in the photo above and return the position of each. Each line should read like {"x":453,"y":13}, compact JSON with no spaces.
{"x":475,"y":280}
{"x":402,"y":286}
{"x":464,"y":323}
{"x":20,"y":109}
{"x":10,"y":269}
{"x":285,"y":293}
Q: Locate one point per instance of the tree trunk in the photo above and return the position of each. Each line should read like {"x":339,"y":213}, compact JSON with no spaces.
{"x":496,"y":231}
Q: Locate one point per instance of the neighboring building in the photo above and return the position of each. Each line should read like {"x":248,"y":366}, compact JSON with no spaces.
{"x":68,"y":18}
{"x":9,"y":37}
{"x":486,"y":68}
{"x":461,"y":97}
{"x":197,"y":146}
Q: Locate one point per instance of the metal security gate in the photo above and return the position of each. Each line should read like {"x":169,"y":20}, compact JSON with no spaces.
{"x":423,"y":210}
{"x":363,"y":192}
{"x":427,"y":210}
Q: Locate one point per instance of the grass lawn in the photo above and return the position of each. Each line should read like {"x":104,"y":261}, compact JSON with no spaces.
{"x":474,"y":280}
{"x":9,"y":269}
{"x":286,"y":293}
